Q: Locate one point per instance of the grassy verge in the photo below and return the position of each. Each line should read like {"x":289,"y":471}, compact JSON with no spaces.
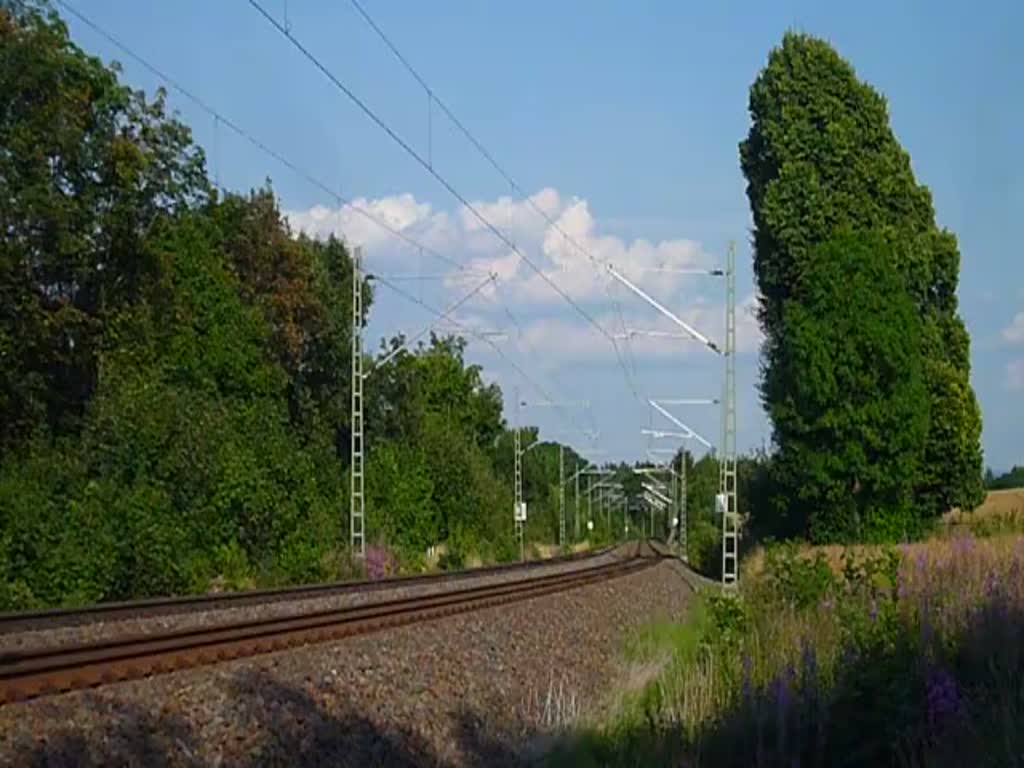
{"x":656,"y":654}
{"x":909,"y":657}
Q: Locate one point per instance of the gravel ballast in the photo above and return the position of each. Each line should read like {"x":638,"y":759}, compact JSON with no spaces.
{"x":484,"y":688}
{"x":153,"y":625}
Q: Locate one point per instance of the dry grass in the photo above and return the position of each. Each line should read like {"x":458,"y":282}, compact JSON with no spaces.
{"x":935,"y":549}
{"x":555,"y":708}
{"x":547,"y":551}
{"x":999,"y":520}
{"x":1000,"y":508}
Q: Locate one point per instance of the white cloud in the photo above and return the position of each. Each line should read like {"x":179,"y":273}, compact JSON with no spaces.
{"x":1015,"y":375}
{"x":1014,"y":332}
{"x":542,"y":332}
{"x":467,"y":240}
{"x":400,"y":212}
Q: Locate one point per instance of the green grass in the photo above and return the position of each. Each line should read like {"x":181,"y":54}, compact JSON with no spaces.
{"x":667,"y":638}
{"x":662,"y":646}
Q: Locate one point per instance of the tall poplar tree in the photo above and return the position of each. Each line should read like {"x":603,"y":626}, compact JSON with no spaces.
{"x":820,"y":158}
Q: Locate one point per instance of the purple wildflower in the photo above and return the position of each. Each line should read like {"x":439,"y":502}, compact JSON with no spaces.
{"x":873,"y":610}
{"x":1013,"y":579}
{"x":809,"y":661}
{"x":926,"y":626}
{"x":992,"y":584}
{"x":849,"y":655}
{"x":809,"y":671}
{"x":921,"y":561}
{"x":942,"y":698}
{"x":1018,"y":549}
{"x":781,"y":693}
{"x":962,"y":545}
{"x":379,"y":563}
{"x":902,"y":587}
{"x":747,"y":666}
{"x":778,"y":691}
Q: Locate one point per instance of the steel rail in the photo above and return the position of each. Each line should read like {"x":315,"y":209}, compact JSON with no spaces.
{"x":52,"y":618}
{"x":29,"y":674}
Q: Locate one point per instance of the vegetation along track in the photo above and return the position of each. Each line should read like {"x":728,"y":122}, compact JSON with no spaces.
{"x":27,"y":674}
{"x":22,"y":621}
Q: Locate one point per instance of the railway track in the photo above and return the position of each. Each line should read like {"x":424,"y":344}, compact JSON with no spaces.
{"x":24,"y":621}
{"x":32,"y":673}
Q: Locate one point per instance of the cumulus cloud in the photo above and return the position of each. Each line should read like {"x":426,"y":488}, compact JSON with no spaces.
{"x":1015,"y":375}
{"x":539,"y":326}
{"x":570,"y":252}
{"x":358,"y":224}
{"x":1014,"y":332}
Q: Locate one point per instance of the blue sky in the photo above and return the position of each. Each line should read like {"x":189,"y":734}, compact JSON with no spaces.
{"x":622,"y":121}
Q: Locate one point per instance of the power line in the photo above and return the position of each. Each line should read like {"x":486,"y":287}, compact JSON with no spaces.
{"x":441,"y":315}
{"x":426,"y":165}
{"x":238,"y":130}
{"x":445,"y":315}
{"x":486,"y":154}
{"x":220,"y":118}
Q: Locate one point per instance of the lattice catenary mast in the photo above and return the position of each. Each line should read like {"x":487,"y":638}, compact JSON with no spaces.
{"x":730,"y":512}
{"x":517,"y":450}
{"x":357,"y":507}
{"x":561,"y":495}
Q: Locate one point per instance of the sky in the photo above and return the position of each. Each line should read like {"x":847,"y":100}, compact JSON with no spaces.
{"x":619,"y":123}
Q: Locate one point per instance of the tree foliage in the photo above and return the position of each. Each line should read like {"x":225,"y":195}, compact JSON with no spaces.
{"x":433,"y":425}
{"x":175,"y":383}
{"x":87,"y":167}
{"x":847,"y":396}
{"x":821,"y":159}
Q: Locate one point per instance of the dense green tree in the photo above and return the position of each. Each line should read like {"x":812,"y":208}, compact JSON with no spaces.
{"x":820,"y":157}
{"x":303,"y":290}
{"x":432,"y":430}
{"x":87,"y":167}
{"x":851,"y":408}
{"x":174,"y":388}
{"x":185,"y":468}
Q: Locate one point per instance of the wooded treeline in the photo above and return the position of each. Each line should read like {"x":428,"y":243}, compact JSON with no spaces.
{"x":174,"y":386}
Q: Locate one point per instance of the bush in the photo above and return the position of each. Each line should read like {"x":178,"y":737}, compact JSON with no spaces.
{"x":704,"y":547}
{"x":798,"y":581}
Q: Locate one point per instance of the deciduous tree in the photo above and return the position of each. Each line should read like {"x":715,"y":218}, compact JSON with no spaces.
{"x":821,"y":158}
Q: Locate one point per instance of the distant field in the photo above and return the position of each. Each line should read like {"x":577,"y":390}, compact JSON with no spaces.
{"x":1000,"y":517}
{"x":1002,"y":511}
{"x":1010,"y":500}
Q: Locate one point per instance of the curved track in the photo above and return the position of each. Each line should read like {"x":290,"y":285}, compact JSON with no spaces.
{"x":23,"y":621}
{"x":52,"y":670}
